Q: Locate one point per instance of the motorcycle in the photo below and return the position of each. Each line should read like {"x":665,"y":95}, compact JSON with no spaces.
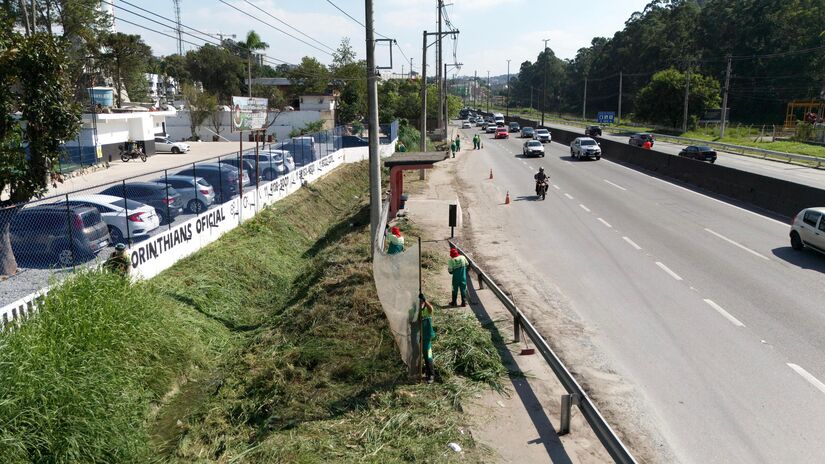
{"x":541,"y":189}
{"x":131,"y":152}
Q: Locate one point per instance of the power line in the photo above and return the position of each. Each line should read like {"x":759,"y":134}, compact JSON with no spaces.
{"x":287,"y":25}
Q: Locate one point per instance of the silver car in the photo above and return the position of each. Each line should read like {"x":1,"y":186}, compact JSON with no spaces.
{"x":808,"y":229}
{"x":542,"y":135}
{"x":195,"y":192}
{"x":585,"y":147}
{"x":274,"y":163}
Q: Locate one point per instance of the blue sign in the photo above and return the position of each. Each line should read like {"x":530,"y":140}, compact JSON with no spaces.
{"x":606,"y":117}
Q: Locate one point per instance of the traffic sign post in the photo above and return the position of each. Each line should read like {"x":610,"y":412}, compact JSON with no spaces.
{"x":606,"y":117}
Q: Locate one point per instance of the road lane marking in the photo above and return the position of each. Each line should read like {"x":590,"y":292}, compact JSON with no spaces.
{"x":808,"y":376}
{"x":667,"y":269}
{"x":738,"y":244}
{"x":724,"y":313}
{"x":632,"y":243}
{"x":556,"y":187}
{"x":568,"y":196}
{"x":604,"y":222}
{"x":584,"y":207}
{"x":615,"y":185}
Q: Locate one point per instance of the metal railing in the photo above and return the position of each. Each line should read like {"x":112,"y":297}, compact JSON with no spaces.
{"x":742,"y":149}
{"x":575,"y":393}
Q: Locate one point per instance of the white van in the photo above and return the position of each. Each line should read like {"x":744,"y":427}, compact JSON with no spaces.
{"x":498,"y":118}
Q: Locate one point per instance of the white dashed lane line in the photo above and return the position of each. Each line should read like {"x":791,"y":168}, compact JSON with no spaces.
{"x":808,"y":376}
{"x":667,"y":269}
{"x":556,"y":187}
{"x":615,"y":185}
{"x":569,"y":197}
{"x":632,"y":243}
{"x":607,"y":224}
{"x":724,"y":313}
{"x":737,"y":244}
{"x":584,"y":207}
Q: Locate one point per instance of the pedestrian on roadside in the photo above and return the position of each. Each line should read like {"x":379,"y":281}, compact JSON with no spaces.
{"x":118,"y":262}
{"x":476,"y":142}
{"x":401,"y":147}
{"x":395,"y":241}
{"x":425,"y":311}
{"x":647,"y":145}
{"x":457,"y":142}
{"x":457,"y":267}
{"x":452,"y":148}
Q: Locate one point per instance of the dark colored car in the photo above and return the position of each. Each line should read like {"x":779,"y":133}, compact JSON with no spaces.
{"x":222,"y":177}
{"x":527,"y":132}
{"x":638,"y":140}
{"x":352,"y":141}
{"x":248,"y":167}
{"x":66,"y":234}
{"x":302,"y":148}
{"x":593,"y":131}
{"x":699,"y":152}
{"x":514,"y":127}
{"x":166,"y":200}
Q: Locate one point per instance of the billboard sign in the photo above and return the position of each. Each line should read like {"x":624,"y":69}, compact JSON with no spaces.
{"x":248,"y":113}
{"x":606,"y":117}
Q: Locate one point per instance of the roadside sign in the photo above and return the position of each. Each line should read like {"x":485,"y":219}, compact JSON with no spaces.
{"x":606,"y":117}
{"x":248,"y":113}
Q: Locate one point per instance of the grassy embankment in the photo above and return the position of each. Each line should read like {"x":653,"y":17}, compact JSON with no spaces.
{"x":267,"y":346}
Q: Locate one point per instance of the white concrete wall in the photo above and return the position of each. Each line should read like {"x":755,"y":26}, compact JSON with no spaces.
{"x":178,"y":126}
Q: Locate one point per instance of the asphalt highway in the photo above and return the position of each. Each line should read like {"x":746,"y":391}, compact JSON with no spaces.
{"x":702,"y":306}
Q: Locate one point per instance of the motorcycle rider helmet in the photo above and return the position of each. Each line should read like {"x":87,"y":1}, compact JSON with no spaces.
{"x":541,"y":169}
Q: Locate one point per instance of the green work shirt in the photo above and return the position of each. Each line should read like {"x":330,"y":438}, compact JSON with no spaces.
{"x":458,"y":268}
{"x":396,"y":244}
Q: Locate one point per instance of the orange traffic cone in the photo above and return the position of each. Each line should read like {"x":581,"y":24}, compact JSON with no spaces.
{"x":507,"y":198}
{"x":491,"y":173}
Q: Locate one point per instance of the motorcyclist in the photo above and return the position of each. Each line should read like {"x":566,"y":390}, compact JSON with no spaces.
{"x":541,"y":178}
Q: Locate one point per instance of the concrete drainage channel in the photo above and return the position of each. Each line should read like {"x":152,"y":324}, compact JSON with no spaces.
{"x":575,"y":393}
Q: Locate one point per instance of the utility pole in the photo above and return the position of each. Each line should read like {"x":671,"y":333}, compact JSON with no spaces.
{"x":489,"y":89}
{"x":423,"y":142}
{"x":475,"y":89}
{"x":620,"y":98}
{"x":411,"y":68}
{"x":725,"y":100}
{"x":544,"y":88}
{"x":372,"y":102}
{"x":584,"y":103}
{"x":438,"y":75}
{"x":687,"y":99}
{"x":508,"y":88}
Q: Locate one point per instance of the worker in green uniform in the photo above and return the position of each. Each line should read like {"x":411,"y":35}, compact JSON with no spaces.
{"x":118,"y":262}
{"x":458,"y":268}
{"x":401,"y":147}
{"x":427,"y":336}
{"x":452,"y":148}
{"x":395,"y":241}
{"x":476,"y":142}
{"x":457,"y":142}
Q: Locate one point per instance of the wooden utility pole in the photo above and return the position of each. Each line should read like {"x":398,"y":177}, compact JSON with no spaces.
{"x":725,"y":100}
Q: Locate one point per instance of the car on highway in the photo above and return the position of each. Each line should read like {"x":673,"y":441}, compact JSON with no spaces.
{"x":466,"y":125}
{"x":479,"y":122}
{"x":527,"y":132}
{"x":196,"y":193}
{"x":165,"y":144}
{"x":487,"y":124}
{"x":166,"y":200}
{"x":638,"y":140}
{"x":533,"y":148}
{"x":501,"y":132}
{"x":585,"y":147}
{"x":808,"y":229}
{"x":699,"y":152}
{"x":514,"y":127}
{"x":491,"y":128}
{"x":543,"y":136}
{"x":124,"y":218}
{"x":64,"y":235}
{"x":593,"y":131}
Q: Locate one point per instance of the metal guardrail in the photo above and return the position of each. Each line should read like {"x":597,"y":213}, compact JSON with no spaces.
{"x":576,"y":394}
{"x":742,"y":149}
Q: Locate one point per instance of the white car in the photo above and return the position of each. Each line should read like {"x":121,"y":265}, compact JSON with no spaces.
{"x":585,"y":147}
{"x":533,"y":148}
{"x":491,"y":129}
{"x":808,"y":229}
{"x":466,"y":125}
{"x":124,"y":218}
{"x":164,"y":144}
{"x":542,"y":135}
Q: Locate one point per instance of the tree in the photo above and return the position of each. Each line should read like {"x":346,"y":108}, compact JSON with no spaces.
{"x":309,"y":128}
{"x":662,"y":100}
{"x":252,"y":44}
{"x":217,"y":69}
{"x":309,"y":77}
{"x":34,"y":80}
{"x":274,"y":97}
{"x":343,"y":55}
{"x":201,"y":105}
{"x":124,"y":57}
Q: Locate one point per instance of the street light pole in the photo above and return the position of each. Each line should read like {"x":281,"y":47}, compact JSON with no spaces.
{"x":508,"y":88}
{"x":544,"y":88}
{"x":488,"y":91}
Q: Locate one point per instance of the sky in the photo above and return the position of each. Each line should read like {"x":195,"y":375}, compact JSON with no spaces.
{"x":491,"y":31}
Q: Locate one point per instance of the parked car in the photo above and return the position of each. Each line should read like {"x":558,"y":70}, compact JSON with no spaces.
{"x":527,"y":132}
{"x":353,"y":141}
{"x":67,"y":235}
{"x":274,"y":163}
{"x":491,"y":128}
{"x":808,"y":229}
{"x":166,"y":200}
{"x":125,"y":219}
{"x":248,"y":168}
{"x":699,"y":152}
{"x":585,"y":147}
{"x":222,"y":177}
{"x":533,"y":148}
{"x":543,"y":136}
{"x":501,"y":132}
{"x":593,"y":131}
{"x":302,"y":149}
{"x":164,"y":144}
{"x":514,"y":127}
{"x":196,"y":193}
{"x":638,"y":140}
{"x":466,"y":125}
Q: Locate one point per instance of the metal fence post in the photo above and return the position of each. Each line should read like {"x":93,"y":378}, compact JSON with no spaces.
{"x":567,"y":402}
{"x":516,"y":328}
{"x":126,"y":208}
{"x":168,"y":213}
{"x":69,"y":227}
{"x":197,"y":190}
{"x":480,"y":281}
{"x":220,"y":179}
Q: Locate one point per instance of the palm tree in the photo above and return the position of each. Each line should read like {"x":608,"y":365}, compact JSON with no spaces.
{"x":252,"y":44}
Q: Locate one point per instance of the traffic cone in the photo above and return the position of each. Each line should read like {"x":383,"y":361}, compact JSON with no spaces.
{"x":491,"y":173}
{"x":507,"y":198}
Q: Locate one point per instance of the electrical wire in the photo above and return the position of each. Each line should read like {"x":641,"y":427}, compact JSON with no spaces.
{"x":287,"y":25}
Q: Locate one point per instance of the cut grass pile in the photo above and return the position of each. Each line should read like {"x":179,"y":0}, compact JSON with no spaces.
{"x":267,"y":346}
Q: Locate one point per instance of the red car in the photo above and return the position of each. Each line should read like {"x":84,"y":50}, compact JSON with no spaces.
{"x":501,"y":133}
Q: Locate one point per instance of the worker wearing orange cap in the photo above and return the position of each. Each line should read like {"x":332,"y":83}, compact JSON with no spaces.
{"x":458,"y":268}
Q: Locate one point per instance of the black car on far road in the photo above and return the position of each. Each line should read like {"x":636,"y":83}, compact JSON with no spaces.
{"x":699,"y":152}
{"x":639,"y":140}
{"x":593,"y":131}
